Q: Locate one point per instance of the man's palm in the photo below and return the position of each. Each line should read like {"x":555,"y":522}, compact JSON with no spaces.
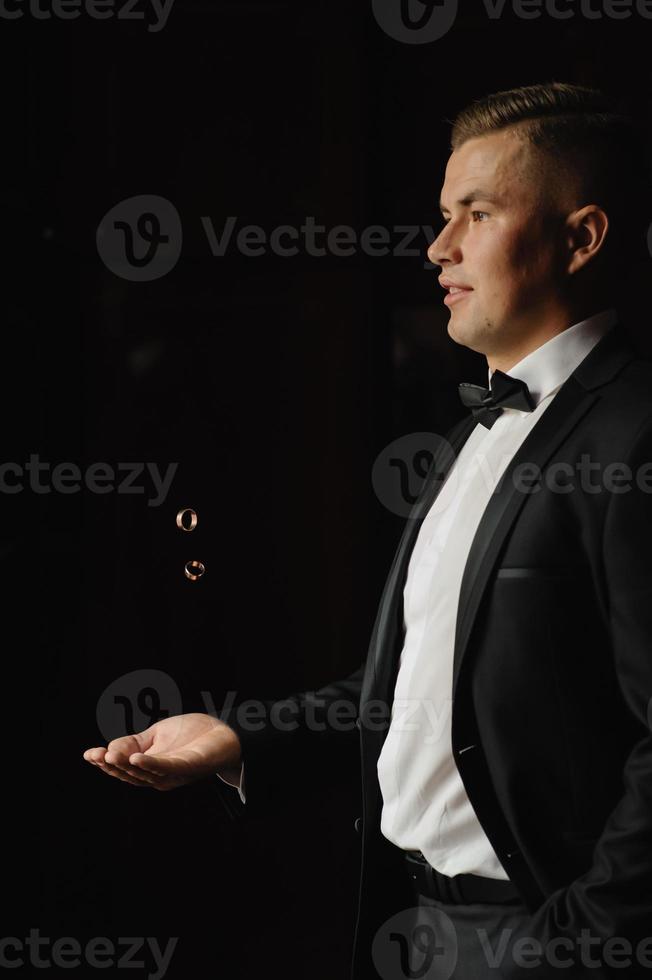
{"x":171,"y":753}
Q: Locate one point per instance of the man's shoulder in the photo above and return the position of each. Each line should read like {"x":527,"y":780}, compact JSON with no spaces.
{"x":623,"y":410}
{"x":630,"y":393}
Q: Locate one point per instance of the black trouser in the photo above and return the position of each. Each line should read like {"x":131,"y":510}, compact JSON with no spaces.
{"x":467,"y":932}
{"x":467,"y":942}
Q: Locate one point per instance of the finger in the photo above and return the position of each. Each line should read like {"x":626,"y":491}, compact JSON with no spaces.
{"x":126,"y":769}
{"x":119,"y":749}
{"x":147,"y":779}
{"x":157,"y":764}
{"x":121,"y":775}
{"x":152,"y":765}
{"x":97,"y":757}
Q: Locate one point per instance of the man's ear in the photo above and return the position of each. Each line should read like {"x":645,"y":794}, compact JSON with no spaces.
{"x":586,"y":231}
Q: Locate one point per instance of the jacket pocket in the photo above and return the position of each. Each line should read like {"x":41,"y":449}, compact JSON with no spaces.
{"x":538,"y":572}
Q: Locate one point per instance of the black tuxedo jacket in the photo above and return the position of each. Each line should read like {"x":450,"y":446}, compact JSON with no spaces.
{"x":552,"y":672}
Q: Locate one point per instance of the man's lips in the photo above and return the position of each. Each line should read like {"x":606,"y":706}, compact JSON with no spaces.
{"x":456,"y":291}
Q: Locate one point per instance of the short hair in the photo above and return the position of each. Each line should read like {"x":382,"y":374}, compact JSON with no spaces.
{"x":583,"y":133}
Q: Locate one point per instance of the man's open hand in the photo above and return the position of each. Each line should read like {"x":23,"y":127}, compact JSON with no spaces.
{"x":171,"y":753}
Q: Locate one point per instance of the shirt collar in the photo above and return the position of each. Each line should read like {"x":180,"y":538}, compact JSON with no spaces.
{"x":550,"y":365}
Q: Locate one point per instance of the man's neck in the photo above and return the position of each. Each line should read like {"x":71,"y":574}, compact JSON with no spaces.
{"x":506,"y":360}
{"x":548,"y":327}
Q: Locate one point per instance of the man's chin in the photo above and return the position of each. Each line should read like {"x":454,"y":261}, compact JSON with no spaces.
{"x":458,"y":327}
{"x":462,"y":330}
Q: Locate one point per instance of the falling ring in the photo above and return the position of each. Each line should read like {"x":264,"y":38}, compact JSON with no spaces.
{"x":194,"y":570}
{"x":193,"y":519}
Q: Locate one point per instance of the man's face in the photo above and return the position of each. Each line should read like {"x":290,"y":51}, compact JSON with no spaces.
{"x":501,"y":242}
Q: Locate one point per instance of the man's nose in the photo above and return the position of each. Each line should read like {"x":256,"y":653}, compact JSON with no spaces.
{"x":445,"y":248}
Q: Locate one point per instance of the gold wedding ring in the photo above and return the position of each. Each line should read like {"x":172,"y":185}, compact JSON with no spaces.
{"x":183,"y":524}
{"x":194,"y":570}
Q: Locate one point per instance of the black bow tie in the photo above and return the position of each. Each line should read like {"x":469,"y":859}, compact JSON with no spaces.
{"x":487,"y":404}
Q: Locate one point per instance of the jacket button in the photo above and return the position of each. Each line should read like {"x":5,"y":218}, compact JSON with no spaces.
{"x":357,"y":826}
{"x":358,"y":724}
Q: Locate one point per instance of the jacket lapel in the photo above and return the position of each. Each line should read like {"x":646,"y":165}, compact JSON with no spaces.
{"x":573,"y":400}
{"x":388,"y":628}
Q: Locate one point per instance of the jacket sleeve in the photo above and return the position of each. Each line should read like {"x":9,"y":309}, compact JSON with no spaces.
{"x":613,"y":899}
{"x":305,"y":736}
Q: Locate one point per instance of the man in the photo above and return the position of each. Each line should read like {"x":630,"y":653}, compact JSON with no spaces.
{"x":510,"y":785}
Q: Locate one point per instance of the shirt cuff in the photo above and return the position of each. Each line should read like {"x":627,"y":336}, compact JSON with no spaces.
{"x":239,"y":787}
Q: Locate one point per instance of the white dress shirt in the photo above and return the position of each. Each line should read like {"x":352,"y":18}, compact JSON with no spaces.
{"x":425,"y":806}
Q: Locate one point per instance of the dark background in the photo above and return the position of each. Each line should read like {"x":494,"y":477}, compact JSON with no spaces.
{"x":274,"y":382}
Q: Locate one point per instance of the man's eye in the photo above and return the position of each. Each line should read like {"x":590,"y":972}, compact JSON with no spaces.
{"x":475,"y":215}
